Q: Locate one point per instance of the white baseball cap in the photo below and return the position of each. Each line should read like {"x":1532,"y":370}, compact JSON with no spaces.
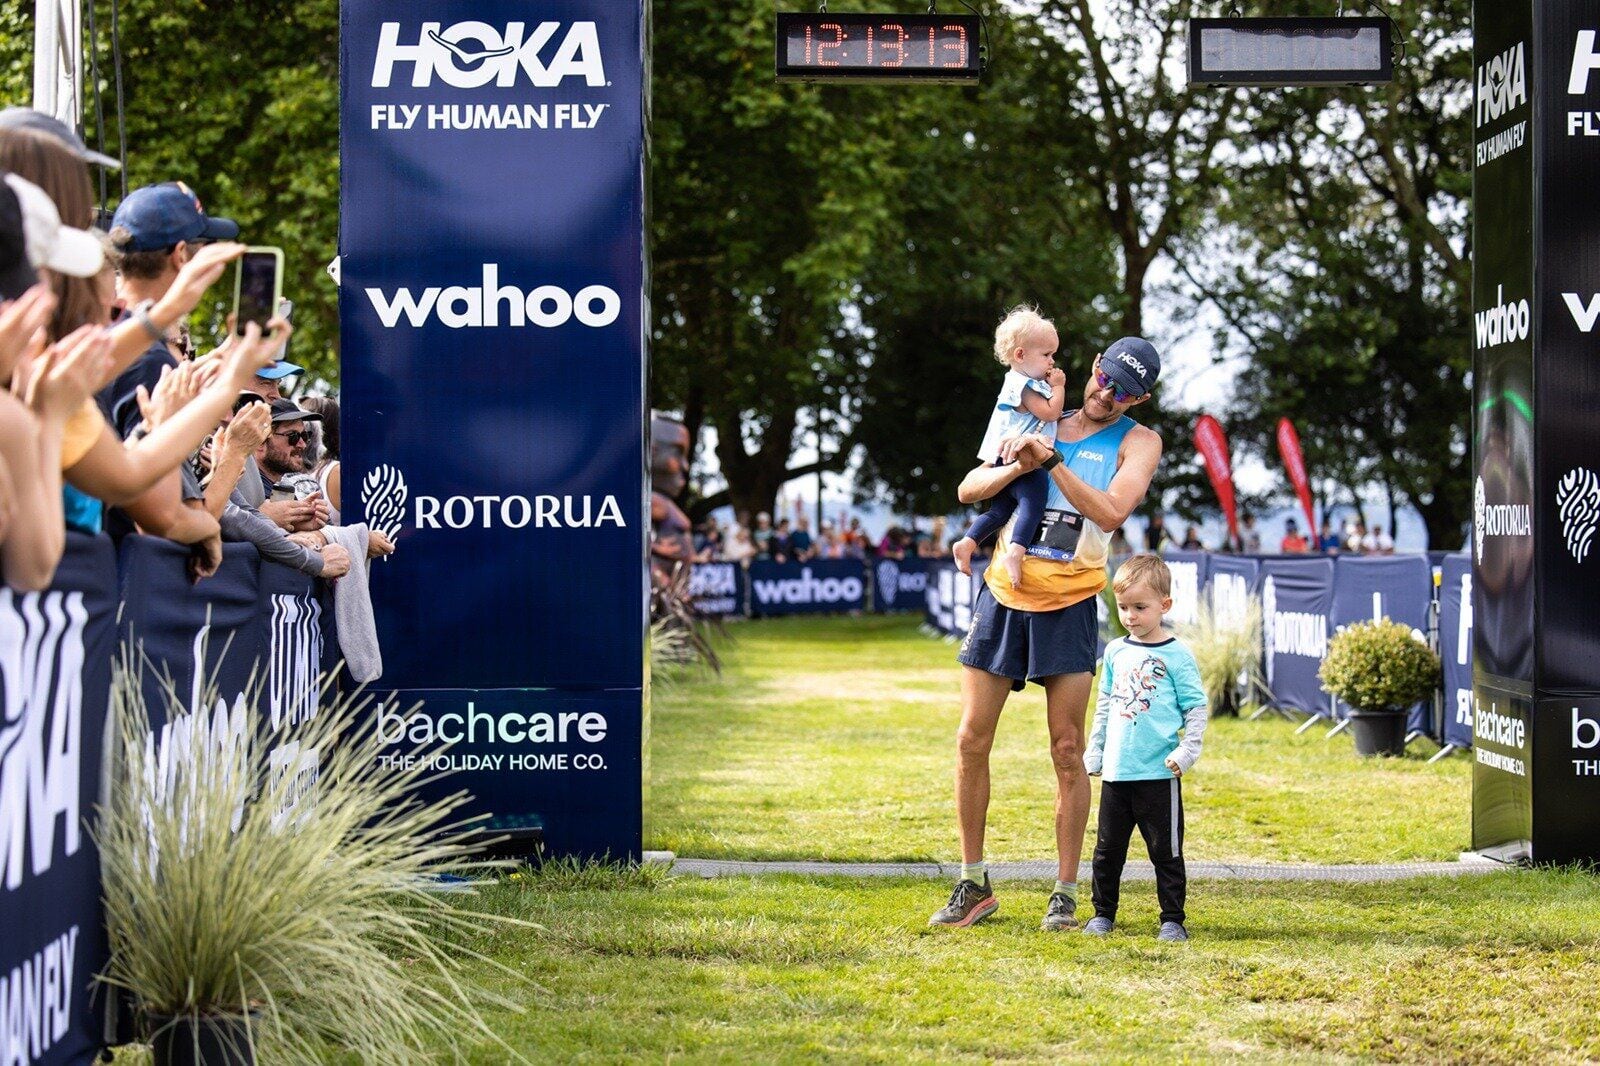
{"x":74,"y":252}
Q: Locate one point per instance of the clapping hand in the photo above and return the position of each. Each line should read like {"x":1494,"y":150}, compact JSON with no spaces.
{"x":20,"y":321}
{"x":61,"y":379}
{"x":198,"y":274}
{"x":176,"y":387}
{"x":248,"y":430}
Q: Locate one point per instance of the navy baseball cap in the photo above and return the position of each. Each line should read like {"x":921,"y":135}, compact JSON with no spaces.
{"x":1133,"y":364}
{"x":157,"y":217}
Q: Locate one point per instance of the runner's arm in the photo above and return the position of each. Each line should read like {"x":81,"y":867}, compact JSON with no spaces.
{"x":985,"y":481}
{"x":1110,"y":508}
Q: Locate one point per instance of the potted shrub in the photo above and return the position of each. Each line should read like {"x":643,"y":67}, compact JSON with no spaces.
{"x":1228,"y":654}
{"x":270,"y":893}
{"x":1380,"y":669}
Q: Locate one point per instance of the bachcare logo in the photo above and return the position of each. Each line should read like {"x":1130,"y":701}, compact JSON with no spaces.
{"x":1502,"y":84}
{"x":384,"y":495}
{"x":1497,"y":519}
{"x":471,"y":55}
{"x":480,"y":306}
{"x":1504,"y":323}
{"x":1578,"y":506}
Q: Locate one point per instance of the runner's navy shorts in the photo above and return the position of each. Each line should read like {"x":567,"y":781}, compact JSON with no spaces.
{"x":1030,"y":645}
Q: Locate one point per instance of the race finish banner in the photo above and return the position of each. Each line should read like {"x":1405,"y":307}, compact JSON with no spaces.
{"x":56,"y":650}
{"x":493,"y":315}
{"x":1536,"y":446}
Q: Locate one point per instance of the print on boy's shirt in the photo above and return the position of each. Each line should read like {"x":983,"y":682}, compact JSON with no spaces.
{"x":1134,"y":689}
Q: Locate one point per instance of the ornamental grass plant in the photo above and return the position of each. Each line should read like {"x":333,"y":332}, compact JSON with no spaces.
{"x":1379,"y":666}
{"x":272,"y":870}
{"x":1227,"y":650}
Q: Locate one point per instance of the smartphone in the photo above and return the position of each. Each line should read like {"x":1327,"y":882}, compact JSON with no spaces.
{"x":257,"y":287}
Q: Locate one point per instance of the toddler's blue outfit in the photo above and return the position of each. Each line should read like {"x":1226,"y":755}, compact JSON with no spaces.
{"x":1024,"y":497}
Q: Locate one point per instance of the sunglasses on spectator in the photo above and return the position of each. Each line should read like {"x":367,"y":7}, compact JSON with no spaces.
{"x":296,"y":436}
{"x":1117,"y":395}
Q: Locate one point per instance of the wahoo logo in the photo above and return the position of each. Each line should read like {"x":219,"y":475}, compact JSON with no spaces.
{"x":41,"y":667}
{"x":1578,"y":507}
{"x":471,"y":55}
{"x":478,"y":307}
{"x":809,"y":590}
{"x":1504,"y":323}
{"x":1502,"y":84}
{"x":1584,"y":313}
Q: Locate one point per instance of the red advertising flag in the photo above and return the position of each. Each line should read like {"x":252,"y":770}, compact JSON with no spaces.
{"x":1295,"y":463}
{"x":1212,"y":444}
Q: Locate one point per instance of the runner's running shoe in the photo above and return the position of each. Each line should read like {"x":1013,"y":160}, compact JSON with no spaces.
{"x":1062,"y":913}
{"x":969,"y":904}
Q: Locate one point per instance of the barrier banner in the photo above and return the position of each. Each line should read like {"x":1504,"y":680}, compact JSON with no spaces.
{"x":717,"y":589}
{"x":198,"y":637}
{"x":1189,"y":572}
{"x":1232,"y":581}
{"x":1397,"y":587}
{"x":1455,"y":647}
{"x":942,"y":596}
{"x":822,"y":586}
{"x":493,"y":321}
{"x":1296,"y":596}
{"x":56,"y":650}
{"x":899,"y":584}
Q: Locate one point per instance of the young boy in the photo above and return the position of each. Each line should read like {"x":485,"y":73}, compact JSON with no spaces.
{"x":1148,"y":723}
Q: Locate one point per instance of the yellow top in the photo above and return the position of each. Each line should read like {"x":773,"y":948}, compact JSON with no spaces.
{"x":82,"y":430}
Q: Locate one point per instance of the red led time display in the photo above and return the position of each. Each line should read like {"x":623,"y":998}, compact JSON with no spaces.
{"x":864,"y":47}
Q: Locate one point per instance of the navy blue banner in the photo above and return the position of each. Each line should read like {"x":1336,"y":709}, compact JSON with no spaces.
{"x":1189,"y":572}
{"x":1232,"y":581}
{"x":493,"y":326}
{"x":56,"y":650}
{"x":899,"y":584}
{"x":191,"y":637}
{"x":821,"y":586}
{"x":1397,"y":587}
{"x":1296,"y":597}
{"x":718,"y":589}
{"x":493,"y":322}
{"x":1455,"y":647}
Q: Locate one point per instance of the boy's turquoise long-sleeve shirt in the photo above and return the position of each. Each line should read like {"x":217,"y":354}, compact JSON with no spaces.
{"x":1152,"y":706}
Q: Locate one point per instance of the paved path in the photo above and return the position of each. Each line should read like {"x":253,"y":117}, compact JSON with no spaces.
{"x":1045,"y":870}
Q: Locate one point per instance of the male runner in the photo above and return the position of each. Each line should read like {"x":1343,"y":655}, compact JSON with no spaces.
{"x":1045,"y":629}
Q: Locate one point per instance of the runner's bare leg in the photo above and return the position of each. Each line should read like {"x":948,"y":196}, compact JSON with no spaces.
{"x":1066,"y":704}
{"x":983,"y":696}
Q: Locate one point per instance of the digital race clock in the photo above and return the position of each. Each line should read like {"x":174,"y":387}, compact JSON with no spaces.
{"x":818,"y":46}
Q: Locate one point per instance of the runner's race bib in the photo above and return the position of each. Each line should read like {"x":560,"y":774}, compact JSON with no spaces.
{"x":1058,"y":535}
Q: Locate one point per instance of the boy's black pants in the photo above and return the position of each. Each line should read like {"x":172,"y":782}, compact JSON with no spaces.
{"x":1156,"y":807}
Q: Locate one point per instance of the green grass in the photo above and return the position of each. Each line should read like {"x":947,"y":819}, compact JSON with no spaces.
{"x":834,"y":738}
{"x":1497,"y":968}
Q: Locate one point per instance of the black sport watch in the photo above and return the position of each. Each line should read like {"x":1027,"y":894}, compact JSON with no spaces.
{"x":1053,"y":461}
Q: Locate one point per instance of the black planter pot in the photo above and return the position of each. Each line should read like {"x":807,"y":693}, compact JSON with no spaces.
{"x":1379,"y":732}
{"x":203,"y":1040}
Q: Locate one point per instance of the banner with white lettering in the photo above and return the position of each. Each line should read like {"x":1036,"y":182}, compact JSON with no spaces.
{"x":717,"y":589}
{"x":56,"y":650}
{"x":1455,"y":647}
{"x":1231,"y":582}
{"x":899,"y":584}
{"x":821,"y":586}
{"x":1296,"y":596}
{"x":1396,"y":587}
{"x":1189,"y":572}
{"x":493,"y":318}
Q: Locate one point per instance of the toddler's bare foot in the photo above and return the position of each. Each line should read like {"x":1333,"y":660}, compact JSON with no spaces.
{"x":962,"y":550}
{"x":1013,"y":561}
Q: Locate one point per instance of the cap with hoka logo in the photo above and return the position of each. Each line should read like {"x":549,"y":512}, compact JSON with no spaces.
{"x":1133,"y":363}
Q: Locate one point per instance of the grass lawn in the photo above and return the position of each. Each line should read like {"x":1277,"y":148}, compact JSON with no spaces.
{"x":1497,"y":968}
{"x":834,"y":738}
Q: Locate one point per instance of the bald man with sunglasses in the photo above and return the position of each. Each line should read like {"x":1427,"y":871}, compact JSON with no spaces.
{"x":1045,"y":628}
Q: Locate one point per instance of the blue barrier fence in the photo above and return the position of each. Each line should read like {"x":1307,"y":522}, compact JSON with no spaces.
{"x":767,"y":589}
{"x":1304,"y":602}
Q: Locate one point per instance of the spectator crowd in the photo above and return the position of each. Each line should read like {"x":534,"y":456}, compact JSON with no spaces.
{"x":796,"y":542}
{"x":115,"y":418}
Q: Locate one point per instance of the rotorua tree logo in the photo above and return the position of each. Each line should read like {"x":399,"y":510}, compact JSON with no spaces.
{"x":888,"y":580}
{"x":383,"y":497}
{"x":1269,"y":624}
{"x":1578,"y":504}
{"x":1479,"y":502}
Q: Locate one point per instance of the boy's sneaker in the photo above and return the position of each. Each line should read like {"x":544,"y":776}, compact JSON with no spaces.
{"x":969,"y":904}
{"x":1062,"y":913}
{"x":1099,"y":925}
{"x":1172,"y":932}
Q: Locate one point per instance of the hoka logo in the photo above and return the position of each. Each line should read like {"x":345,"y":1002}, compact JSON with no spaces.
{"x":1502,"y":85}
{"x":470,"y":55}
